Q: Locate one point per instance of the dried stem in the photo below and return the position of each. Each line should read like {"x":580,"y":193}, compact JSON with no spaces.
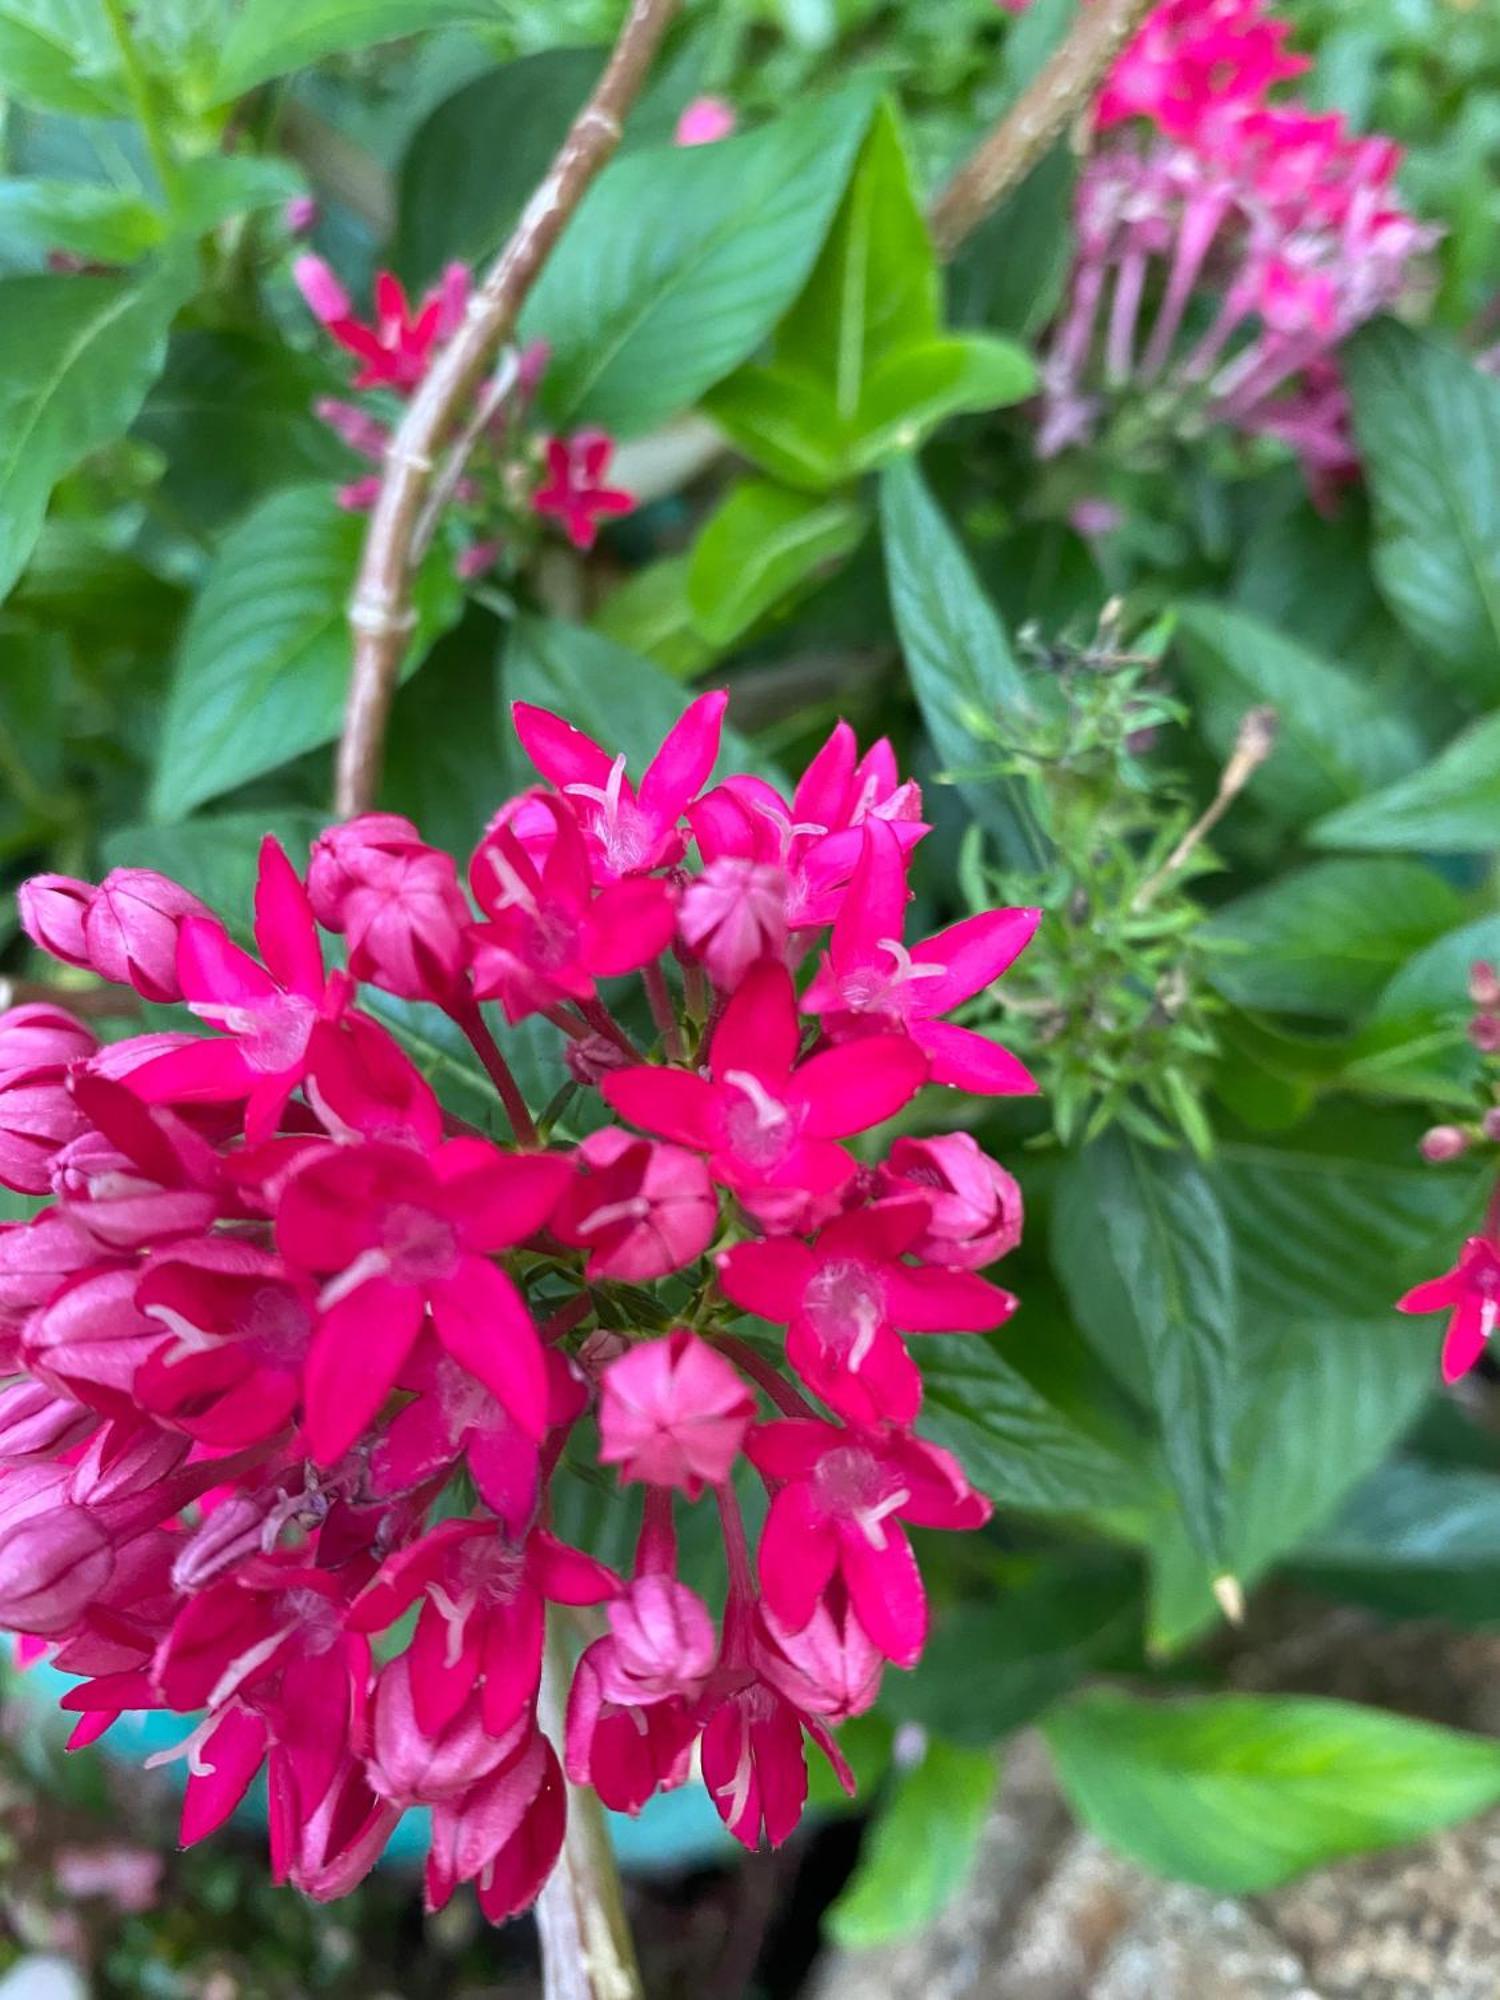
{"x":586,"y":1949}
{"x":380,"y":615}
{"x":1004,"y":157}
{"x":1253,"y":745}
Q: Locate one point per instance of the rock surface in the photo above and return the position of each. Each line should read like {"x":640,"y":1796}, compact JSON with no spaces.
{"x":1049,"y":1913}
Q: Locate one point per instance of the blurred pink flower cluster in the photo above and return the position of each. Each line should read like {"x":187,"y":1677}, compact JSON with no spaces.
{"x":514,"y":472}
{"x":297,"y":1353}
{"x":1228,"y":242}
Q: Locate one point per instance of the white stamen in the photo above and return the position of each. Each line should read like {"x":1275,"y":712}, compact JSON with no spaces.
{"x":368,"y":1264}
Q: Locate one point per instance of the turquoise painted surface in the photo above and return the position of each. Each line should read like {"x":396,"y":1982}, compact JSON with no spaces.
{"x":676,"y":1830}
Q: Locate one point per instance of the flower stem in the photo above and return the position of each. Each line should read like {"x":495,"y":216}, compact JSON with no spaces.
{"x":466,"y":1014}
{"x":764,"y":1374}
{"x":663,"y":1012}
{"x":142,"y":99}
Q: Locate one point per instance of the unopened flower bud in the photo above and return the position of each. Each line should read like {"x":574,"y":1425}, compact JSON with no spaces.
{"x":51,"y":1566}
{"x":1444,"y":1142}
{"x":130,"y":930}
{"x":52,"y":909}
{"x":1490,"y":1124}
{"x":673,"y":1413}
{"x":1484,"y":984}
{"x":705,"y":121}
{"x":975,"y":1203}
{"x":592,"y":1057}
{"x":399,"y":903}
{"x":665,"y":1642}
{"x":1484,"y":1033}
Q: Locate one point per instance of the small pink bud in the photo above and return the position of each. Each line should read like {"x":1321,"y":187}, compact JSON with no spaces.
{"x":1484,"y":984}
{"x":1484,"y":1033}
{"x":300,"y":214}
{"x":326,"y":298}
{"x":1444,"y":1142}
{"x":410,"y":1767}
{"x":232,"y":1533}
{"x":1491,"y":1123}
{"x":399,"y":903}
{"x":38,"y":1037}
{"x":665,"y":1642}
{"x":704,"y":121}
{"x":131,"y":929}
{"x":38,"y":1117}
{"x":827,"y":1668}
{"x":673,"y":1413}
{"x":593,"y":1057}
{"x":975,"y":1203}
{"x":51,"y":1567}
{"x":52,"y":909}
{"x":35,"y":1423}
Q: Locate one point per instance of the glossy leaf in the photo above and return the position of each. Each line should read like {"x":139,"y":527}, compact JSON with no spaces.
{"x":1241,"y":1792}
{"x":917,"y":1854}
{"x":1428,"y":423}
{"x":682,"y":259}
{"x":1144,"y":1253}
{"x":763,"y":544}
{"x":77,"y":356}
{"x":263,"y":668}
{"x":271,"y":37}
{"x":1451,"y":806}
{"x":1417,"y":1541}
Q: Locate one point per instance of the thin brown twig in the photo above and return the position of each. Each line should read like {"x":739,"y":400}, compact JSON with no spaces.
{"x":380,"y":613}
{"x":1043,"y":111}
{"x":1252,"y":746}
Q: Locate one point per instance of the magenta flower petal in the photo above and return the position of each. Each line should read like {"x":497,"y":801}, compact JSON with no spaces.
{"x":483,"y":1323}
{"x":859,"y":1084}
{"x":285,"y":932}
{"x":356,"y":1355}
{"x":930,"y":1300}
{"x":967,"y":1061}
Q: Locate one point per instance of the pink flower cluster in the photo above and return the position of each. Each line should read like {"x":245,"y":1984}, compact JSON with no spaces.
{"x":297,"y":1354}
{"x":558,"y":479}
{"x":1227,"y":244}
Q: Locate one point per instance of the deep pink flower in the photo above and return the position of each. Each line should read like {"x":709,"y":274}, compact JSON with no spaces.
{"x":37,"y":1114}
{"x":766,"y":1121}
{"x":1195,"y":65}
{"x":267,"y":1012}
{"x":838,"y":1512}
{"x":483,"y":1597}
{"x":705,"y":121}
{"x":395,"y":350}
{"x":974,"y":1204}
{"x":625,"y":1748}
{"x":396,"y":1233}
{"x":1470,"y":1294}
{"x":550,"y":934}
{"x":327,"y":1847}
{"x":843,"y":1299}
{"x":90,"y":1340}
{"x":629,"y":831}
{"x":673,"y":1413}
{"x":754,"y":1765}
{"x":870,"y":977}
{"x":639,"y":1209}
{"x":375,"y":881}
{"x":575,"y":495}
{"x":504,"y":1834}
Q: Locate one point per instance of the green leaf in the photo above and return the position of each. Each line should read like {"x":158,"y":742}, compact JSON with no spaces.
{"x":860,"y":367}
{"x":1451,"y":806}
{"x":1240,"y":1792}
{"x":963,"y":673}
{"x":682,"y":259}
{"x":1336,"y":737}
{"x":109,"y":224}
{"x":263,"y":669}
{"x":217,"y":186}
{"x":59,"y":54}
{"x":1009,"y":274}
{"x":920,"y":1849}
{"x":1416,"y":1541}
{"x":271,"y":37}
{"x":77,"y":356}
{"x":614,"y":696}
{"x":1326,"y":938}
{"x":1144,"y":1253}
{"x":458,"y":194}
{"x":1414,"y":1043}
{"x":1016,"y":1446}
{"x":1428,"y":423}
{"x":762,"y":545}
{"x":650,"y":614}
{"x":443,"y":767}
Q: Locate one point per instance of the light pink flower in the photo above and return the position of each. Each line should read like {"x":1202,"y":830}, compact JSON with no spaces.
{"x":673,"y":1413}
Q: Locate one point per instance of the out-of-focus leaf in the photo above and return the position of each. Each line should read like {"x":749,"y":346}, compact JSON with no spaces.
{"x":1415,"y":1540}
{"x":77,"y":355}
{"x":271,"y":37}
{"x":1428,"y":423}
{"x":1326,"y":938}
{"x":1451,"y":806}
{"x":1336,"y":737}
{"x":59,"y":54}
{"x":262,"y":673}
{"x":1240,"y":1792}
{"x":919,"y":1850}
{"x":216,"y":855}
{"x":763,"y":544}
{"x":111,"y":225}
{"x":1145,"y":1255}
{"x":682,"y":259}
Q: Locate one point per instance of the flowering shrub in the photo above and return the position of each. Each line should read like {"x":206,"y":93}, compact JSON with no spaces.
{"x":298,"y":1356}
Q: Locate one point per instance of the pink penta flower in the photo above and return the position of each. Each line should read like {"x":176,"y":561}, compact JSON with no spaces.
{"x":625,"y":1747}
{"x":550,"y":934}
{"x":974,"y":1204}
{"x":395,"y":1234}
{"x":766,"y":1120}
{"x":574,"y":494}
{"x":828,"y":1668}
{"x":754,"y":1765}
{"x":266,"y":1012}
{"x":504,"y":1834}
{"x":734,"y":915}
{"x":869,"y":977}
{"x":395,"y":349}
{"x":843,"y":1298}
{"x":705,"y":121}
{"x":1470,"y":1294}
{"x":837,"y":1510}
{"x":640,"y":1210}
{"x":673,"y":1413}
{"x":483,"y":1598}
{"x":376,"y":881}
{"x":629,"y":831}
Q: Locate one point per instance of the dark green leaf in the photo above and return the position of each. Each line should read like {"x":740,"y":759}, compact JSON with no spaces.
{"x":1010,"y":273}
{"x":1326,"y":938}
{"x":458,"y":193}
{"x":216,"y":857}
{"x":1428,"y":423}
{"x":1416,"y":1540}
{"x":1014,"y":1444}
{"x":77,"y":356}
{"x":1336,"y":737}
{"x":1240,"y":1792}
{"x":919,"y":1850}
{"x":271,"y":37}
{"x":443,"y":767}
{"x":682,"y":259}
{"x":1414,"y":1043}
{"x":1451,"y":806}
{"x":262,"y":673}
{"x":1145,"y":1256}
{"x":762,"y":545}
